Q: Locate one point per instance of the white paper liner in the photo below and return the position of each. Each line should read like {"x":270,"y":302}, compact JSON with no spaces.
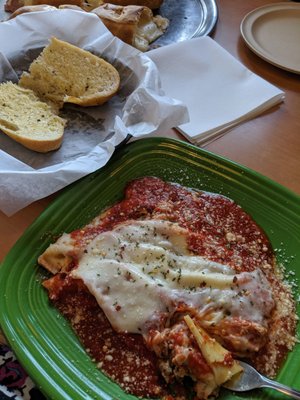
{"x":139,"y":108}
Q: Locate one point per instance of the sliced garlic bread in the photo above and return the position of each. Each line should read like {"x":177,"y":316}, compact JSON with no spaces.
{"x":29,"y":121}
{"x":64,"y":73}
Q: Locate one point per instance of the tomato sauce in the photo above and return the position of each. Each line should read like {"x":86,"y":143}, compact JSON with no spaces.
{"x":219,"y":230}
{"x":123,"y":357}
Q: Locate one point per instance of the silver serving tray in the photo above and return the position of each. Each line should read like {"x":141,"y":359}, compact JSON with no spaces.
{"x":188,"y":19}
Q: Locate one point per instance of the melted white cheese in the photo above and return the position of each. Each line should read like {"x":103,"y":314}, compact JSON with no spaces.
{"x":142,"y":269}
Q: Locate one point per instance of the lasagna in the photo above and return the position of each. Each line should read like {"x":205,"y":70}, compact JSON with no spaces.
{"x":169,"y":288}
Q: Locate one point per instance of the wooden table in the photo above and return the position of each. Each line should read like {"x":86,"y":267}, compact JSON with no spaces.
{"x":269,"y":144}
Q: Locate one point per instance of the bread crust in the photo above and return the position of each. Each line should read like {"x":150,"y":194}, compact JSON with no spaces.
{"x":13,"y":5}
{"x":135,"y":25}
{"x":27,"y":9}
{"x":152,"y":4}
{"x":89,"y":101}
{"x":122,"y":21}
{"x":40,"y":146}
{"x":70,"y":7}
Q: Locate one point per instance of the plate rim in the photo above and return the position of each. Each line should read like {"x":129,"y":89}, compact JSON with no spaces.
{"x":157,"y":144}
{"x":209,"y":23}
{"x":246,"y":27}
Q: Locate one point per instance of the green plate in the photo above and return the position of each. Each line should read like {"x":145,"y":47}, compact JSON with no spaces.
{"x":43,"y":341}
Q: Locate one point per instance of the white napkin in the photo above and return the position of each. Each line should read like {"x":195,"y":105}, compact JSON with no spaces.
{"x":218,"y":90}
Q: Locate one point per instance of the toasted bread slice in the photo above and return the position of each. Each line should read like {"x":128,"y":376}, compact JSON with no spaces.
{"x":64,"y":73}
{"x":29,"y":121}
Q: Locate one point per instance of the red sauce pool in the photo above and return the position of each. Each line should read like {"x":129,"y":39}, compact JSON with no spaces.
{"x":219,"y":230}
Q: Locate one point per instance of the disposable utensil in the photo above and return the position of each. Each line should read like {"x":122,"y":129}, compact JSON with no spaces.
{"x":251,"y":379}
